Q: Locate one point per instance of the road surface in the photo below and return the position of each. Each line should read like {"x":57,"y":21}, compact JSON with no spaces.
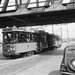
{"x":46,"y":63}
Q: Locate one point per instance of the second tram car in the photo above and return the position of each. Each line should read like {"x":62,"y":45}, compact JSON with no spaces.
{"x":18,"y":41}
{"x":54,"y":41}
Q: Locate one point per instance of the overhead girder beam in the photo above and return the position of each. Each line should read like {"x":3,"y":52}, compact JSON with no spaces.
{"x":16,"y":4}
{"x":23,"y":3}
{"x":47,"y":2}
{"x":72,"y":0}
{"x":57,"y":17}
{"x":5,"y":5}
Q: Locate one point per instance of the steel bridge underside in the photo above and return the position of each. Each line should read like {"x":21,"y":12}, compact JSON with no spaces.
{"x":43,"y":18}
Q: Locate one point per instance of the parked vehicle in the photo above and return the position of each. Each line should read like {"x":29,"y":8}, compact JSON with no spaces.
{"x":68,"y":62}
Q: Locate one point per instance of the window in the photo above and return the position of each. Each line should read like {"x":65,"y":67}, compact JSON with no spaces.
{"x":38,"y":3}
{"x":8,"y":37}
{"x":21,"y":37}
{"x":11,"y":5}
{"x":65,"y":1}
{"x":32,"y":5}
{"x":7,"y":5}
{"x":1,"y":5}
{"x":25,"y":37}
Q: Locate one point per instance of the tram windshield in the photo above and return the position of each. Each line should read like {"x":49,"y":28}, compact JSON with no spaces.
{"x":9,"y":37}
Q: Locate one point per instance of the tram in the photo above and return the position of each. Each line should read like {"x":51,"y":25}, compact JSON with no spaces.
{"x":67,"y":66}
{"x":18,"y":41}
{"x":54,"y":41}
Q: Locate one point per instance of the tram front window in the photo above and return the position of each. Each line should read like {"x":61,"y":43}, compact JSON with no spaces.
{"x":9,"y":37}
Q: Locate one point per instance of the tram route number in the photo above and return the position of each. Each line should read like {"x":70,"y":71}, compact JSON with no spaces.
{"x":35,"y":10}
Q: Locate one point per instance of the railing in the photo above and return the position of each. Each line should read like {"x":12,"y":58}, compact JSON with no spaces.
{"x":14,"y":5}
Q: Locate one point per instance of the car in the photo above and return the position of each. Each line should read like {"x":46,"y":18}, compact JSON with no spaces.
{"x":67,"y":66}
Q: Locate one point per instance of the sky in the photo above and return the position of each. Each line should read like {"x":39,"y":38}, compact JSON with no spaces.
{"x":70,"y":27}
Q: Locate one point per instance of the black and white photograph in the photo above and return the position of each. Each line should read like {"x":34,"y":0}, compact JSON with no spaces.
{"x":37,"y":37}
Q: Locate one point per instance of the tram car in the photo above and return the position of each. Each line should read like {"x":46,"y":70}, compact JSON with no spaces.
{"x":18,"y":41}
{"x":67,"y":66}
{"x":54,"y":41}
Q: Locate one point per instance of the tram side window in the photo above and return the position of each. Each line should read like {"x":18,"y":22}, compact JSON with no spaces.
{"x":25,"y":37}
{"x":15,"y":39}
{"x":28,"y":37}
{"x":32,"y":37}
{"x":36,"y":37}
{"x":21,"y":37}
{"x":43,"y":38}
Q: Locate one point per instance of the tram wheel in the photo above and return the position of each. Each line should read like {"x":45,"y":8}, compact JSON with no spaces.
{"x":29,"y":53}
{"x":38,"y":51}
{"x":22,"y":54}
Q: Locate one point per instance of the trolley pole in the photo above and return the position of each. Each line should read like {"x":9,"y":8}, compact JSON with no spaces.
{"x":52,"y":29}
{"x":67,"y":35}
{"x":61,"y":32}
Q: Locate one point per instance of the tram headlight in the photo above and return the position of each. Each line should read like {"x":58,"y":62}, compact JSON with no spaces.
{"x":8,"y":50}
{"x":12,"y":48}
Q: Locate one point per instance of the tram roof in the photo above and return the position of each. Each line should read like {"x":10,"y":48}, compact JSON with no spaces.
{"x":12,"y":29}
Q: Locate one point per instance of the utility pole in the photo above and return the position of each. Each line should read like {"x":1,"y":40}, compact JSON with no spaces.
{"x":52,"y":29}
{"x":67,"y":34}
{"x":61,"y":31}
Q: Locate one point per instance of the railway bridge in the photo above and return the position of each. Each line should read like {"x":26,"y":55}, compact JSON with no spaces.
{"x":36,"y":12}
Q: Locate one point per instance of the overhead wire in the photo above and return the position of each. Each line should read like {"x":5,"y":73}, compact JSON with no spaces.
{"x":58,"y":4}
{"x":20,"y":20}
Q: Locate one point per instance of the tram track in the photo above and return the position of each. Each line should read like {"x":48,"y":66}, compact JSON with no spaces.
{"x":22,"y":64}
{"x":19,"y":65}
